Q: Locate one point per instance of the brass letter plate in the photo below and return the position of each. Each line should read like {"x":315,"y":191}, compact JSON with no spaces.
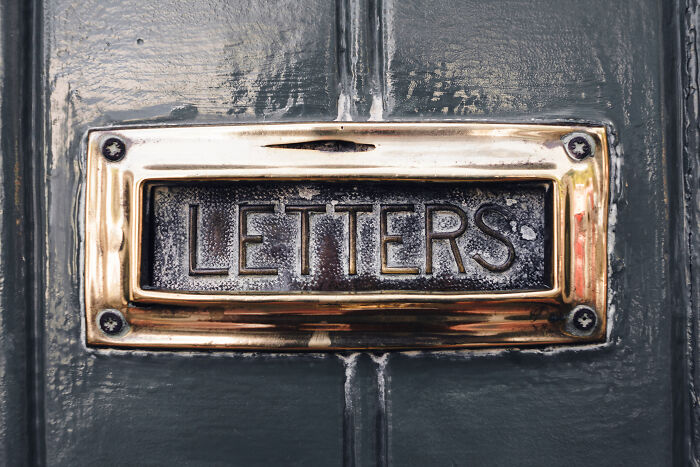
{"x":346,"y":236}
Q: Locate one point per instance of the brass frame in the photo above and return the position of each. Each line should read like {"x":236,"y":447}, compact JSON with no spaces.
{"x":404,"y":151}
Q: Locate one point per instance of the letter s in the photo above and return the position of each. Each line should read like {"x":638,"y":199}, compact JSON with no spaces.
{"x":479,"y":221}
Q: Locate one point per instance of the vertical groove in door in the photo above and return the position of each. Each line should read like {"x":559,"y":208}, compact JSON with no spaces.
{"x":360,"y":59}
{"x":33,"y":166}
{"x":349,"y":422}
{"x":364,"y":414}
{"x":343,"y":60}
{"x":377,"y":58}
{"x":382,"y":409}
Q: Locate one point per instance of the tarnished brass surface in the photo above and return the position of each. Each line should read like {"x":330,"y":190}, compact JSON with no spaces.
{"x":447,"y":152}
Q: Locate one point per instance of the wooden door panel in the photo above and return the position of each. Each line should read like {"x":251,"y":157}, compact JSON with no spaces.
{"x":67,"y":67}
{"x":547,"y":60}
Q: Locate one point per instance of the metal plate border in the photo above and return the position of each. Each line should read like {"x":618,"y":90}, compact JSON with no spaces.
{"x":323,"y":321}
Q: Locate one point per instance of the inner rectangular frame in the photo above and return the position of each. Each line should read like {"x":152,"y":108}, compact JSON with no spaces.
{"x":365,"y":192}
{"x":402,"y":151}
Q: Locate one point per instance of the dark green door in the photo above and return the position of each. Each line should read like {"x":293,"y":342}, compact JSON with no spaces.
{"x":71,"y":66}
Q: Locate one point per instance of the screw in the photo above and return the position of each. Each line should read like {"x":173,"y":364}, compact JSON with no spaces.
{"x":113,"y":149}
{"x":579,"y":145}
{"x":583,"y":319}
{"x":112,"y":322}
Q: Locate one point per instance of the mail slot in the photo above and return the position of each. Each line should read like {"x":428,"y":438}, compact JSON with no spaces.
{"x":345,"y":237}
{"x":337,"y":236}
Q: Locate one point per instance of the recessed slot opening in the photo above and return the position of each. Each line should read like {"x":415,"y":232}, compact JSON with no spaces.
{"x":326,"y":145}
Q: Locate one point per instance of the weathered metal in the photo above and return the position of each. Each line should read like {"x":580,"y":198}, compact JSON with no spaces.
{"x":346,"y":237}
{"x":226,"y":237}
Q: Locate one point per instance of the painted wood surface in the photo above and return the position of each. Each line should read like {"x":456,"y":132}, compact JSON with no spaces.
{"x":68,"y":66}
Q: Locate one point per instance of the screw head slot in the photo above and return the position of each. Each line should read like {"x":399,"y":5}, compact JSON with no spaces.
{"x":113,"y":149}
{"x":579,"y":145}
{"x":583,"y":320}
{"x":112,"y":323}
